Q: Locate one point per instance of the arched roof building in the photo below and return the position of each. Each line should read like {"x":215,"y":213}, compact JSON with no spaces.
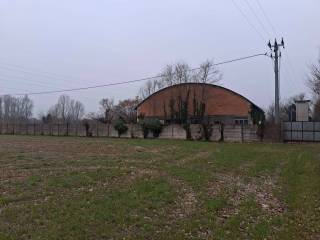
{"x":197,"y":101}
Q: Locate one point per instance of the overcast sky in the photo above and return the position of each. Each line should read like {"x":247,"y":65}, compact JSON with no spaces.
{"x":50,"y":44}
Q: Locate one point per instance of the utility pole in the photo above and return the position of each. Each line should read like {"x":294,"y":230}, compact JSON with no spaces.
{"x":275,"y":48}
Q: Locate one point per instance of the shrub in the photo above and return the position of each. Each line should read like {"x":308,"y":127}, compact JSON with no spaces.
{"x":120,"y":127}
{"x":153,"y":125}
{"x":87,"y":128}
{"x":186,"y":127}
{"x":207,"y":131}
{"x":145,"y":130}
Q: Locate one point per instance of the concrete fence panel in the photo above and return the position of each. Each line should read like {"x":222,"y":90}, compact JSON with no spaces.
{"x":231,"y":133}
{"x":173,"y":131}
{"x":301,"y":131}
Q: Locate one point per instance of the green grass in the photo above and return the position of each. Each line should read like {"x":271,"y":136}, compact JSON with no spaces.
{"x":88,"y":188}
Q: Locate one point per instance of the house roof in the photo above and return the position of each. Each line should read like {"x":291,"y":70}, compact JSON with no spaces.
{"x":302,"y":101}
{"x":206,"y":84}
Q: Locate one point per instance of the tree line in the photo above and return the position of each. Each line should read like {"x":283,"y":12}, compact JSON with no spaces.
{"x":14,"y":109}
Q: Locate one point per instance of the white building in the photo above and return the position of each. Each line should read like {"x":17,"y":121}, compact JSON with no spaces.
{"x":302,"y":110}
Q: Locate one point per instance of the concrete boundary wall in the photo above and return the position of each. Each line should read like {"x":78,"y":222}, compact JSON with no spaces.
{"x":226,"y":133}
{"x":301,"y":131}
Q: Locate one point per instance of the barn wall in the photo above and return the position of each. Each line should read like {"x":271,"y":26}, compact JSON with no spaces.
{"x":219,"y":101}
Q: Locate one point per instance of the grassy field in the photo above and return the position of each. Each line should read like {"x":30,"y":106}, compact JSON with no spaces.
{"x":87,"y":188}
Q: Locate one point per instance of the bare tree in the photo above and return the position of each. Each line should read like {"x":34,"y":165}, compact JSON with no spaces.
{"x":67,"y":109}
{"x":314,"y":79}
{"x":181,"y":73}
{"x":76,"y":110}
{"x":150,"y":87}
{"x":15,"y":109}
{"x":61,"y":108}
{"x":167,"y":76}
{"x":26,"y":107}
{"x":107,"y":110}
{"x":208,"y":73}
{"x":106,"y":113}
{"x":8,"y":107}
{"x":316,"y":110}
{"x":126,"y":109}
{"x":64,"y":103}
{"x":314,"y":85}
{"x":54,"y":112}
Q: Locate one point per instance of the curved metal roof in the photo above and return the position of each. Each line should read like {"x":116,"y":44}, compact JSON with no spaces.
{"x":206,"y":84}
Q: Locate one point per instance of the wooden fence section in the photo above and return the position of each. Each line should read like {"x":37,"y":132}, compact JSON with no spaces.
{"x":301,"y":131}
{"x":227,"y":133}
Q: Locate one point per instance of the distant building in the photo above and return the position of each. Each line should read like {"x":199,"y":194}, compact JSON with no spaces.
{"x":302,"y":110}
{"x":197,"y":102}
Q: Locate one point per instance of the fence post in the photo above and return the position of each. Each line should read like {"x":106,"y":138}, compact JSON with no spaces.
{"x":314,"y":132}
{"x":58,"y":129}
{"x":97,"y":129}
{"x":34,"y":128}
{"x":242,"y":140}
{"x":302,"y":130}
{"x":67,"y":129}
{"x":291,"y":132}
{"x":171,"y":131}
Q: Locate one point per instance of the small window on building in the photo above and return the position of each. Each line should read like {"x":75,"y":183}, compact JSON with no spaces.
{"x":241,"y":122}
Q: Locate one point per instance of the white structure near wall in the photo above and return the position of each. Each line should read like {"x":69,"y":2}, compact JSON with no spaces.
{"x":302,"y":110}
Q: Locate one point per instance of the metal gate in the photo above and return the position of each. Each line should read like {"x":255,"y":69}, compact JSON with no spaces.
{"x":301,"y":131}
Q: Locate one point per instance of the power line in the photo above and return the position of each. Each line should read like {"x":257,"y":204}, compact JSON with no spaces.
{"x":291,"y":65}
{"x":33,"y":72}
{"x":134,"y":81}
{"x":25,"y":81}
{"x":267,"y":18}
{"x":239,"y":59}
{"x":22,"y":80}
{"x":257,"y":17}
{"x":248,"y":21}
{"x":295,"y":77}
{"x":43,"y":84}
{"x":39,"y":74}
{"x":290,"y":73}
{"x":275,"y":48}
{"x":59,"y":79}
{"x":10,"y":88}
